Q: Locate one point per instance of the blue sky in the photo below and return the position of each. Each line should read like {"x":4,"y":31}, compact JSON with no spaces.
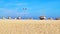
{"x":35,"y":8}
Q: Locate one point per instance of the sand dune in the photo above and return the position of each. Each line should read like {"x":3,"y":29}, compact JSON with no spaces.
{"x":29,"y":26}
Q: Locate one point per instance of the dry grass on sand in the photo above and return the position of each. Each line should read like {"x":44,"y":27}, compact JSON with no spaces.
{"x":29,"y":26}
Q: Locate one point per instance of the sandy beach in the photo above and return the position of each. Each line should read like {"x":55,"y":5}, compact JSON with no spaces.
{"x":29,"y":26}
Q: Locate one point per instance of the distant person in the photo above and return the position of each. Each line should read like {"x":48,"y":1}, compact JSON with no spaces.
{"x":31,"y":18}
{"x":19,"y":18}
{"x":15,"y":18}
{"x":42,"y":18}
{"x":3,"y":18}
{"x":57,"y":18}
{"x":50,"y":19}
{"x":9,"y":18}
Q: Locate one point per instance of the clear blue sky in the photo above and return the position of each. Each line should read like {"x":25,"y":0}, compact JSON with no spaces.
{"x":35,"y":8}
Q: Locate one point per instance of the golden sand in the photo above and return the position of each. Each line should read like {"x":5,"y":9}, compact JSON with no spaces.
{"x":29,"y":26}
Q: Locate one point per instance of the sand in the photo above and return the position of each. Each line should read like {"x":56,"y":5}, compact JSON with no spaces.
{"x":29,"y":26}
